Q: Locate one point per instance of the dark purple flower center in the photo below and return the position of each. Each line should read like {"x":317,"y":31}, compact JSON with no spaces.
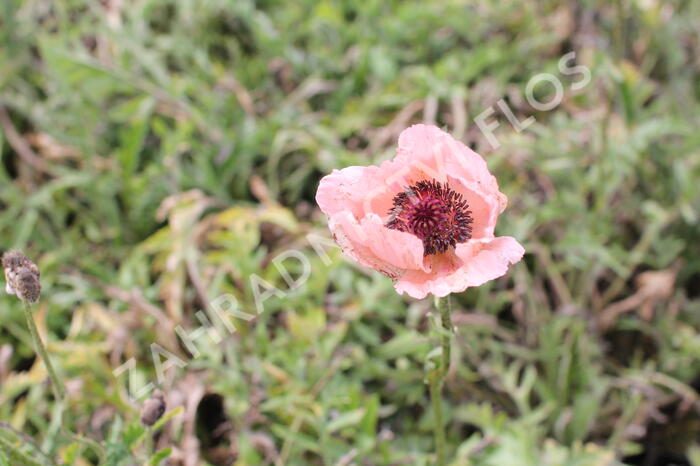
{"x":436,"y":214}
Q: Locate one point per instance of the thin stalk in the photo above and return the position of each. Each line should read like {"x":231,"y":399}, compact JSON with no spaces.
{"x":56,"y":382}
{"x":444,"y":307}
{"x":438,"y":427}
{"x":87,"y":442}
{"x":437,"y":377}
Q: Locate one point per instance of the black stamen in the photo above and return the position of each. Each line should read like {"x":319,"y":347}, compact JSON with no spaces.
{"x":434,"y":213}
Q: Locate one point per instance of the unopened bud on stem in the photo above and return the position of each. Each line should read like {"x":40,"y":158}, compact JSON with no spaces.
{"x":153,"y":409}
{"x":21,"y":276}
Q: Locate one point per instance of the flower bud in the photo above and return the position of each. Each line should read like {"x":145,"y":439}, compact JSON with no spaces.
{"x":21,"y":276}
{"x":153,"y":408}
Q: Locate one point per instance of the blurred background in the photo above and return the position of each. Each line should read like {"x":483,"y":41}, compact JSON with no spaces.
{"x":156,"y":153}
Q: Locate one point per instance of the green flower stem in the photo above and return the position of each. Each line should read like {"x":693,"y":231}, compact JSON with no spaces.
{"x":57,"y":383}
{"x":58,"y":386}
{"x":444,"y":307}
{"x":437,"y":376}
{"x":438,"y":427}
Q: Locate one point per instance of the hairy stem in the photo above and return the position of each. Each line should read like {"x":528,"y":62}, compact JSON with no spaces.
{"x":437,"y":377}
{"x":439,"y":428}
{"x":56,"y":382}
{"x":444,"y":307}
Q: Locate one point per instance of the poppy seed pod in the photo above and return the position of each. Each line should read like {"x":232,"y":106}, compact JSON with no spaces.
{"x":21,"y":276}
{"x":153,"y":409}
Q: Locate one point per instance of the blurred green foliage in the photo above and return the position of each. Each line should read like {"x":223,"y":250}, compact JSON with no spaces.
{"x":157,"y":153}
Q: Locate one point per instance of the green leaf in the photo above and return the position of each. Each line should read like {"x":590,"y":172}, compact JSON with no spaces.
{"x":160,"y":456}
{"x":350,"y":418}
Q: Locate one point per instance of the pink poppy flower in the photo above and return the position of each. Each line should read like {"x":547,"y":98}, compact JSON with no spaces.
{"x":426,"y":218}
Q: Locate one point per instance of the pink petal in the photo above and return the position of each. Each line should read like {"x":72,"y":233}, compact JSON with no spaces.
{"x":488,"y":260}
{"x":441,"y":152}
{"x":372,"y":244}
{"x":361,"y":190}
{"x":484,"y":207}
{"x":434,"y":154}
{"x":344,"y":190}
{"x":481,"y":261}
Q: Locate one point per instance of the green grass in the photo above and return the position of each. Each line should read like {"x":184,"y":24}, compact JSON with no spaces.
{"x":148,"y":124}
